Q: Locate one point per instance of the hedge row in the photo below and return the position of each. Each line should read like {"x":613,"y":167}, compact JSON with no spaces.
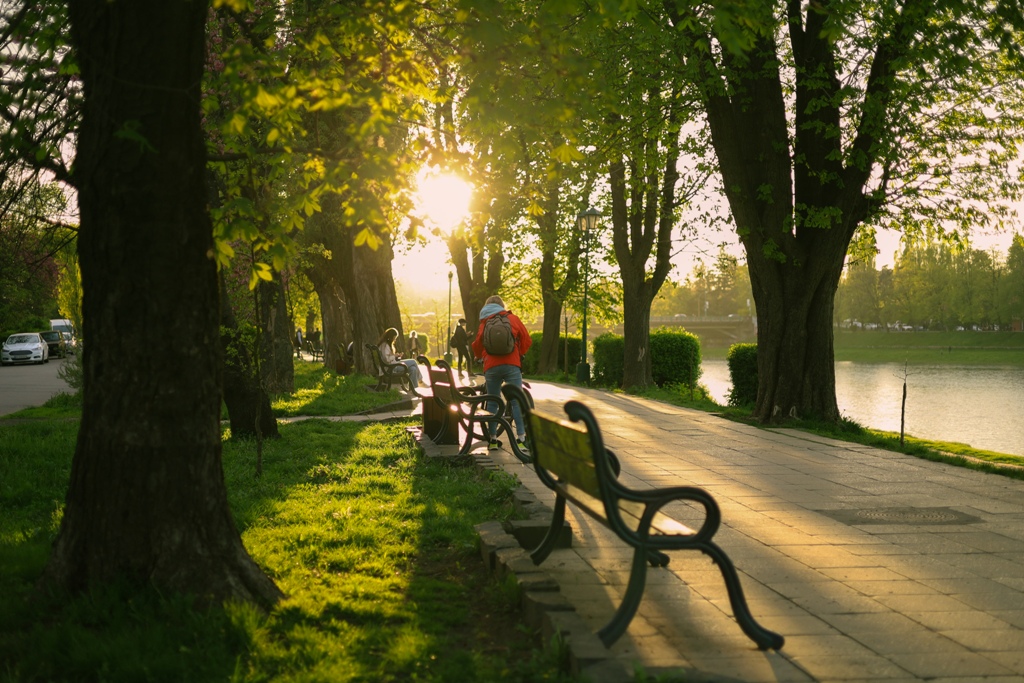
{"x":531,"y":359}
{"x":675,"y":358}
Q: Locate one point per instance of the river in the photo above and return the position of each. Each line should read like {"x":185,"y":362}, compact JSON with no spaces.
{"x":982,"y":406}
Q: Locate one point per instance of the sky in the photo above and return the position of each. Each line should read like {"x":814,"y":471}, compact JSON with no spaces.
{"x":443,"y":201}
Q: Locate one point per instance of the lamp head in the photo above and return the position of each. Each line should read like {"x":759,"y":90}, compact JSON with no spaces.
{"x":588,"y":219}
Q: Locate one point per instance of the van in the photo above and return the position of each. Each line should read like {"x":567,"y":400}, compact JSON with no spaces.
{"x":63,"y":325}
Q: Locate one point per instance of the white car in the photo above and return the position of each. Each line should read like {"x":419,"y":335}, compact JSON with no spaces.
{"x":25,"y":347}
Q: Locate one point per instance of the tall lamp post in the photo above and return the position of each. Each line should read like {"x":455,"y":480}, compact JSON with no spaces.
{"x":587,"y":222}
{"x":447,"y":348}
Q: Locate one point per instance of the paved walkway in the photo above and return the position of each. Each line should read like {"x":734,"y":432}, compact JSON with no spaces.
{"x":875,"y":566}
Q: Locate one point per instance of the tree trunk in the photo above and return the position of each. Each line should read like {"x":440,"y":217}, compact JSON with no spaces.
{"x":356,"y":286}
{"x":248,"y":404}
{"x":479,"y":273}
{"x":795,"y":356}
{"x":337,"y":321}
{"x":146,"y":500}
{"x":275,"y":339}
{"x":548,"y":361}
{"x":636,"y":327}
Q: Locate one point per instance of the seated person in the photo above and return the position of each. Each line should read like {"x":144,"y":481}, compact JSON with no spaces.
{"x":386,"y":344}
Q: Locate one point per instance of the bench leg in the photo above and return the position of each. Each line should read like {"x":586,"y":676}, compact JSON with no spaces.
{"x":764,"y":638}
{"x":614,"y":629}
{"x":541,"y":552}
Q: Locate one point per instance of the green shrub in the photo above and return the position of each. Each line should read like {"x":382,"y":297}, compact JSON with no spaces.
{"x":675,"y":358}
{"x":532,"y":358}
{"x":742,"y":359}
{"x":609,"y":350}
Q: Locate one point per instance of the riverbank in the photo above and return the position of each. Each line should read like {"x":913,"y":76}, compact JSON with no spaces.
{"x":919,"y":348}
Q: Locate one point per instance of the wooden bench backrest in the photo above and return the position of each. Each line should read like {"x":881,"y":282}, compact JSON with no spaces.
{"x":564,"y":449}
{"x":441,"y":385}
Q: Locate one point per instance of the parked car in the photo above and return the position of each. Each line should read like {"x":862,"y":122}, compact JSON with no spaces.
{"x":70,"y":341}
{"x":55,"y":340}
{"x":25,"y":347}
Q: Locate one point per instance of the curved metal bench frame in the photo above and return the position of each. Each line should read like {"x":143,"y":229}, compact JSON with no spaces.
{"x":570,"y":459}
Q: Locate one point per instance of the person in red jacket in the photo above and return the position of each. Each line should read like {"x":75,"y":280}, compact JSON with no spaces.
{"x":505,"y":368}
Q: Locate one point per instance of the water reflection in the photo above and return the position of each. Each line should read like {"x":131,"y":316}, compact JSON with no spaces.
{"x":980,"y":406}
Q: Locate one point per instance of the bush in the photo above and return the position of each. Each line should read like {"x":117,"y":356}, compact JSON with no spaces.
{"x":742,"y":359}
{"x":530,"y":360}
{"x":675,"y":358}
{"x":609,"y":350}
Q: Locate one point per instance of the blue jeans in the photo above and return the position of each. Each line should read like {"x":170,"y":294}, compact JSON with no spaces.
{"x":414,"y":370}
{"x":493,"y":379}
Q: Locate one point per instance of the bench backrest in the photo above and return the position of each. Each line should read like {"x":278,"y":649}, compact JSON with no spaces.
{"x":440,"y":384}
{"x":564,"y":449}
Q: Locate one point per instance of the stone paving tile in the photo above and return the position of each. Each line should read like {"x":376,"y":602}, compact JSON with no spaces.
{"x":949,"y":664}
{"x":989,"y":640}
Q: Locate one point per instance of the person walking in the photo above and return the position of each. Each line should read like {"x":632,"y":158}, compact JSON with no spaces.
{"x":502,"y":340}
{"x":414,"y":344}
{"x":386,"y":344}
{"x":460,"y":342}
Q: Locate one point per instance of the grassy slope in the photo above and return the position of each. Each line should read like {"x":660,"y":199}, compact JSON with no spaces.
{"x":941,"y":348}
{"x":373,"y":544}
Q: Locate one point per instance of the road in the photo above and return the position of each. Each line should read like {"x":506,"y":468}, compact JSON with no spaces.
{"x":23,"y":386}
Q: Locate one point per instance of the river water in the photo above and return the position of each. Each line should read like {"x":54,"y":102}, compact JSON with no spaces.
{"x":979,"y":406}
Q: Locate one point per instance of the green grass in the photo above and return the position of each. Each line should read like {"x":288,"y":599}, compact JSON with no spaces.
{"x":61,"y":405}
{"x":372,"y":543}
{"x":932,"y":348}
{"x":319,"y":391}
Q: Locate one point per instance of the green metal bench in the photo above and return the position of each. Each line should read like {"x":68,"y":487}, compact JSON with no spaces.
{"x":475,"y":410}
{"x":570,"y":459}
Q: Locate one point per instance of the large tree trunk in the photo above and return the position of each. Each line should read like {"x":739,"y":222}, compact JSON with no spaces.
{"x":795,"y":359}
{"x":275,"y":339}
{"x":337,"y":321}
{"x":146,"y":501}
{"x":248,"y":403}
{"x":358,"y":281}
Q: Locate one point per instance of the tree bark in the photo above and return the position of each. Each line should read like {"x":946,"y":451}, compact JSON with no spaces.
{"x":640,"y":228}
{"x":479,"y":271}
{"x":248,"y":404}
{"x":367,"y":285}
{"x":278,"y":372}
{"x":552,"y":295}
{"x":146,"y":501}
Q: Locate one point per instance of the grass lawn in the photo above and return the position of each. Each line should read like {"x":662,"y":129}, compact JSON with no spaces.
{"x":372,"y":544}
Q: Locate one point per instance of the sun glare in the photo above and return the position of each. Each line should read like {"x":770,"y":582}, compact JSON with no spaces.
{"x":442,"y":199}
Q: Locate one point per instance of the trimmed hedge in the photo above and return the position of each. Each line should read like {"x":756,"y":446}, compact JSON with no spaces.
{"x":531,"y":358}
{"x":675,"y":358}
{"x":609,"y":350}
{"x":742,"y":359}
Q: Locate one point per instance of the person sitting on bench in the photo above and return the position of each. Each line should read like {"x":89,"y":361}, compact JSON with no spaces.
{"x":386,"y":344}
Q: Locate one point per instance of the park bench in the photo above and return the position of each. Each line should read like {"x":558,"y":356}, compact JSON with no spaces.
{"x":388,"y":373}
{"x":467,"y":407}
{"x":315,"y":349}
{"x":571,"y":460}
{"x":440,"y":421}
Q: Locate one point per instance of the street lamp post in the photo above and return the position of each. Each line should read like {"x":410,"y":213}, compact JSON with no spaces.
{"x":587,"y":221}
{"x":448,"y":349}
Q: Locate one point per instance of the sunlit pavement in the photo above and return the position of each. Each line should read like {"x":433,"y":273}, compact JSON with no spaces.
{"x":875,"y":566}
